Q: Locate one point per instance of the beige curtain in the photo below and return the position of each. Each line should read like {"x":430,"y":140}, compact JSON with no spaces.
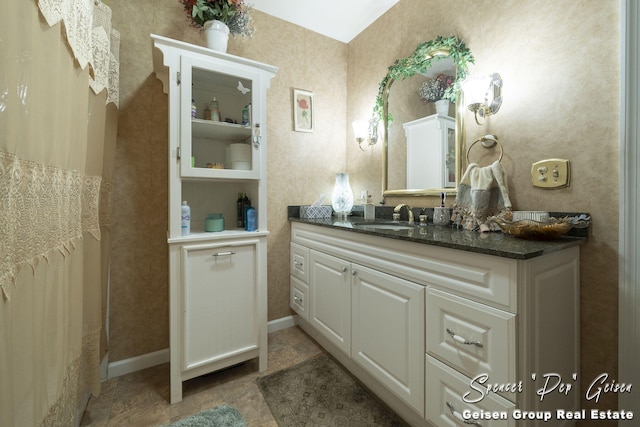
{"x":58,"y":125}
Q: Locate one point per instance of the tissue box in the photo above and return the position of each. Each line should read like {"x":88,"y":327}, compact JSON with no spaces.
{"x":312,"y":212}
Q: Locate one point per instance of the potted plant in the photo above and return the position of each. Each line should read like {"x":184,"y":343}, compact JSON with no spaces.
{"x":223,"y":16}
{"x":435,"y":90}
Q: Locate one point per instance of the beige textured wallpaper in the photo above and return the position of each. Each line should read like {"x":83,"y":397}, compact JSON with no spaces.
{"x":560,"y":64}
{"x":301,"y":165}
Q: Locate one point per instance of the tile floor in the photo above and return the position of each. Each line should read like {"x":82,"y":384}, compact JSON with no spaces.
{"x":141,"y":398}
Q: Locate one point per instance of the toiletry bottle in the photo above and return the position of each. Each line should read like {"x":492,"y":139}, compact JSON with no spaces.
{"x":251,"y":219}
{"x":423,"y":217}
{"x":239,"y":212}
{"x":369,"y":208}
{"x":245,"y":115}
{"x":194,"y":109}
{"x":207,"y":112}
{"x":215,"y":110}
{"x":185,"y":216}
{"x":246,"y":204}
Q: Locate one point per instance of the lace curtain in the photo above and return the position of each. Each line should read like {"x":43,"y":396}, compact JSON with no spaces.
{"x":57,"y":145}
{"x":87,"y":26}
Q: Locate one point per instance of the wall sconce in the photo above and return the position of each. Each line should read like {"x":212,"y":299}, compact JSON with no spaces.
{"x":483,"y":95}
{"x":366,"y":132}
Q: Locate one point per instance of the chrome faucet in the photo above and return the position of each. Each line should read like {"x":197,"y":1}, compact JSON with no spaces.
{"x":398,"y":209}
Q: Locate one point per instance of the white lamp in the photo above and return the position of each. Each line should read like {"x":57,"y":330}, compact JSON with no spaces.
{"x":342,"y":197}
{"x":483,"y":95}
{"x":366,"y":132}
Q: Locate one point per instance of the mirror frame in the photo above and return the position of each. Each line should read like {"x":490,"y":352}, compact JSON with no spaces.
{"x":419,"y":62}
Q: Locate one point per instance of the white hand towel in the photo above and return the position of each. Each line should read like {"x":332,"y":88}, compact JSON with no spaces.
{"x":482,"y":193}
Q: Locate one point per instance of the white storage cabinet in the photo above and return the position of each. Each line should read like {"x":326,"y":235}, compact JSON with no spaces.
{"x":217,"y":280}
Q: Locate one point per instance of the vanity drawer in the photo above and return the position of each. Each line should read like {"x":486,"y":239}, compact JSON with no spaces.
{"x":299,"y":295}
{"x":472,"y":337}
{"x":300,"y":262}
{"x":444,"y":403}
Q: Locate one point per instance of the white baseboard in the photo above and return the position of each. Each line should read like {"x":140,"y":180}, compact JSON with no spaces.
{"x":148,"y":360}
{"x":137,"y":363}
{"x":282,"y":323}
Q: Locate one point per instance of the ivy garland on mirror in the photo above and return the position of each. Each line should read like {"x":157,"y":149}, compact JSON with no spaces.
{"x":421,"y":59}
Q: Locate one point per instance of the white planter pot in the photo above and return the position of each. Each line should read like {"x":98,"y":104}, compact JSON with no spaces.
{"x":442,"y":107}
{"x":217,"y":34}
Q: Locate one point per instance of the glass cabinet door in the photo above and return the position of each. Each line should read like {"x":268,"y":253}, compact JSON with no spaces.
{"x":217,"y":120}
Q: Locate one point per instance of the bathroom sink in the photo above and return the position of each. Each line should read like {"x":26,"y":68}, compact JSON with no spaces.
{"x":375,"y":226}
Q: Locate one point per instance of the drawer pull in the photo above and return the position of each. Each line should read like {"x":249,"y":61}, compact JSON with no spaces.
{"x":457,"y":415}
{"x":297,"y":263}
{"x":224,"y":253}
{"x":297,"y":300}
{"x":463,"y":340}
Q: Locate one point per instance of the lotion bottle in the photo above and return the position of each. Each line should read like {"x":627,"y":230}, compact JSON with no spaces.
{"x":185,"y":216}
{"x":251,"y":219}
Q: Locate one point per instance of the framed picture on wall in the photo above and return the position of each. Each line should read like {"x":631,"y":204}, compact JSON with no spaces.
{"x":303,"y":111}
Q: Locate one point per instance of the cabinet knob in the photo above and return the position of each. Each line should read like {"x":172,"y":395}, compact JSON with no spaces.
{"x":463,"y":340}
{"x":344,"y":269}
{"x":354,"y":273}
{"x":298,"y":300}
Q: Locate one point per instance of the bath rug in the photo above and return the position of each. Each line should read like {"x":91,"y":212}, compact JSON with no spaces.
{"x":320,"y":392}
{"x":220,"y":416}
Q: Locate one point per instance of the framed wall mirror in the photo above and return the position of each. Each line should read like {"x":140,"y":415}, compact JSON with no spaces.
{"x":422,"y":149}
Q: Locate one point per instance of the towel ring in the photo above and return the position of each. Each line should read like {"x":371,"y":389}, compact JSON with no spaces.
{"x":487,"y":141}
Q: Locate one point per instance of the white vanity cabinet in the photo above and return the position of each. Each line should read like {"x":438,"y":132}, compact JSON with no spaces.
{"x":420,"y":322}
{"x":217,"y":280}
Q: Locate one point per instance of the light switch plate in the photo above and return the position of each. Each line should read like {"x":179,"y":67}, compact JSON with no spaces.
{"x":550,"y":173}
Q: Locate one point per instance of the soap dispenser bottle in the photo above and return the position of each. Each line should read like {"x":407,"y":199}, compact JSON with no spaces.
{"x":369,"y":208}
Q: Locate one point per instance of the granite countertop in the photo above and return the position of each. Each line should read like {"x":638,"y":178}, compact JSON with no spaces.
{"x":490,"y":243}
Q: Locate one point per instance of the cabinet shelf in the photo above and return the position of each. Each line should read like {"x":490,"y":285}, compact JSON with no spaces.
{"x":196,"y":236}
{"x":229,"y":175}
{"x":219,"y":130}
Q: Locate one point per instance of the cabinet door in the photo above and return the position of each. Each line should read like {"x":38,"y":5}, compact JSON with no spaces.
{"x":387,"y":323}
{"x":472,"y":337}
{"x":299,"y":262}
{"x":330,"y":298}
{"x":221,"y":148}
{"x":446,"y":407}
{"x":219,"y":301}
{"x":299,"y":297}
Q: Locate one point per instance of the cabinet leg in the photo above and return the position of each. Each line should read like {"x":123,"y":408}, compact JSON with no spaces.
{"x":263,"y":362}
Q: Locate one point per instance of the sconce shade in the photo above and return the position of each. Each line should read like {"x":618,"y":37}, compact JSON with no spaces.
{"x":483,"y":94}
{"x":342,"y":197}
{"x":476,"y":89}
{"x":366,"y":131}
{"x":360,"y":129}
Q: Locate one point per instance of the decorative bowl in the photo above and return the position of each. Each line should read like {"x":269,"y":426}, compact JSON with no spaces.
{"x":536,"y":230}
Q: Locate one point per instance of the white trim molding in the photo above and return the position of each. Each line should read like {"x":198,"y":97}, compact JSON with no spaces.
{"x":629,"y":250}
{"x":149,"y":360}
